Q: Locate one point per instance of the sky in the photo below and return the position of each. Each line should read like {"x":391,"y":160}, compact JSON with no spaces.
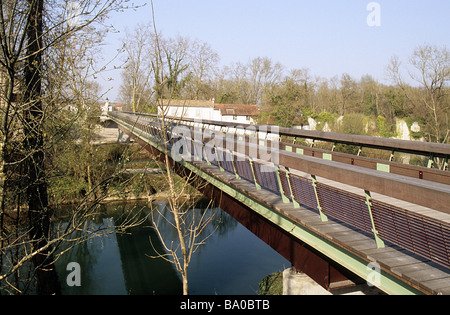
{"x":328,"y":37}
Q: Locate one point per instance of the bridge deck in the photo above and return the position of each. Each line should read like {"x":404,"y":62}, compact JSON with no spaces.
{"x":300,"y":204}
{"x":405,"y":265}
{"x":445,"y":217}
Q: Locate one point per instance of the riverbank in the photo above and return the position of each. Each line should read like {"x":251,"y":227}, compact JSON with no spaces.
{"x":289,"y":282}
{"x":231,"y":262}
{"x":272,"y":284}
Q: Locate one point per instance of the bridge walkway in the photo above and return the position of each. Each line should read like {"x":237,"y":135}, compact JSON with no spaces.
{"x":416,"y":270}
{"x":311,"y":209}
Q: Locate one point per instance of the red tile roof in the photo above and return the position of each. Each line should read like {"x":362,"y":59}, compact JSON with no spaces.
{"x":238,"y":110}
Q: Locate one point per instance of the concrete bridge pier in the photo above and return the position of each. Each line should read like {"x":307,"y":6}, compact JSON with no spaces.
{"x":295,"y":283}
{"x":298,"y":283}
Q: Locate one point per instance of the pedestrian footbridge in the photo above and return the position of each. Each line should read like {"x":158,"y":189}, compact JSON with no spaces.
{"x":338,"y":217}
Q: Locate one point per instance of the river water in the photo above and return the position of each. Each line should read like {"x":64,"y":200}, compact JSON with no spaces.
{"x":232,"y":262}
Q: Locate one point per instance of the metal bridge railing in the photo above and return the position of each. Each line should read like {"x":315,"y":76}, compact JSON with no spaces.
{"x":428,"y":149}
{"x":420,"y":234}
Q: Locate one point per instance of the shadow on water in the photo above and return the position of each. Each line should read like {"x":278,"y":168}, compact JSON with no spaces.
{"x":233,"y":261}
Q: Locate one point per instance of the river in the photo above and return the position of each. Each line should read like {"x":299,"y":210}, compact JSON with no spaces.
{"x":232,"y":262}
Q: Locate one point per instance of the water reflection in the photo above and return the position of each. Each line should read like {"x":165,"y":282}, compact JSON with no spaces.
{"x":233,"y":260}
{"x":142,"y":274}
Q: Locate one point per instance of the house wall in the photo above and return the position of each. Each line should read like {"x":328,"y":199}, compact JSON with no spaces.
{"x":205,"y":112}
{"x":237,"y":119}
{"x":192,"y":112}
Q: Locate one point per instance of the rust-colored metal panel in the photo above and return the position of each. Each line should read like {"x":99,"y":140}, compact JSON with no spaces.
{"x":302,"y":257}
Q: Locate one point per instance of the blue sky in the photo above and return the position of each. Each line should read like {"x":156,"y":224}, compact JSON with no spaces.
{"x":329,"y":37}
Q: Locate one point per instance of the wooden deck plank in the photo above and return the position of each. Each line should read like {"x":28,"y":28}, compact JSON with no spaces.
{"x":400,"y":262}
{"x":363,"y":245}
{"x":425,"y":273}
{"x":440,"y":286}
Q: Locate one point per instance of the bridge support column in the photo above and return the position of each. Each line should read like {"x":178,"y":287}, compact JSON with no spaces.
{"x":295,"y":283}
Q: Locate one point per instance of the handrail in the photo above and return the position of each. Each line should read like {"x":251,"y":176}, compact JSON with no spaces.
{"x":422,"y":192}
{"x":406,"y":146}
{"x":425,"y":234}
{"x":413,"y":171}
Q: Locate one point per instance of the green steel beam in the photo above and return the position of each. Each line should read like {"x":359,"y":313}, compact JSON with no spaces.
{"x":359,"y":266}
{"x":378,"y":240}
{"x":323,"y":217}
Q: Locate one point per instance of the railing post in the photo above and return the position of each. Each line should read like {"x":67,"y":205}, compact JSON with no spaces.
{"x":194,"y":152}
{"x":359,"y":150}
{"x":252,"y":164}
{"x":323,"y":217}
{"x":430,"y":161}
{"x":391,"y":157}
{"x":218,"y":160}
{"x":280,"y":184}
{"x":206,"y":155}
{"x":234,"y":165}
{"x":378,"y":240}
{"x":288,"y":176}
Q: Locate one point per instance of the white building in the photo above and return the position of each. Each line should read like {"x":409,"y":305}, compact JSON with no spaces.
{"x":208,"y":110}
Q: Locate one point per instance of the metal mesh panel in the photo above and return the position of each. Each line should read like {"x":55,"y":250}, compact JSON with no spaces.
{"x":285,"y":183}
{"x":244,"y":169}
{"x":266,"y":177}
{"x":225,"y":161}
{"x":303,"y":191}
{"x":344,"y":206}
{"x":422,"y":235}
{"x":213,"y":159}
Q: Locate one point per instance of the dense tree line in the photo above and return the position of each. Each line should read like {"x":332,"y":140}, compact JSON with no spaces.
{"x":48,"y":107}
{"x":287,"y":96}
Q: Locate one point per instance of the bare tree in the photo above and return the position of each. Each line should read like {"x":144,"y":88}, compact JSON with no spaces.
{"x":203,"y":65}
{"x":44,"y":67}
{"x":263,"y":73}
{"x":136,"y":77}
{"x":188,"y":225}
{"x":348,"y":93}
{"x":432,"y":65}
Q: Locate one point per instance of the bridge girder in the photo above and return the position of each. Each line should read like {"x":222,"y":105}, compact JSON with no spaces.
{"x":322,"y":260}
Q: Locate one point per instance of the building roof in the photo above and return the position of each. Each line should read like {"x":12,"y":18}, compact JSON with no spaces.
{"x":225,"y":109}
{"x":237,"y":109}
{"x":186,"y":103}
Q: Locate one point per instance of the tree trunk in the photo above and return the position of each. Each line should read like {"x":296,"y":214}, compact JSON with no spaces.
{"x":4,"y":155}
{"x":38,"y":212}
